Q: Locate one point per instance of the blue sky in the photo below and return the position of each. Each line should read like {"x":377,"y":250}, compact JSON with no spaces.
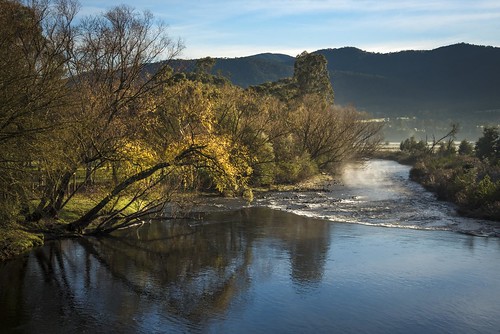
{"x":219,"y":28}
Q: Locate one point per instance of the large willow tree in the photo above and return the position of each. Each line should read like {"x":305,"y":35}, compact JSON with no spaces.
{"x":82,"y":114}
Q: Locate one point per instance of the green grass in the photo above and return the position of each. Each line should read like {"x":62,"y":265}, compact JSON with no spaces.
{"x":83,"y":202}
{"x":14,"y":240}
{"x":76,"y":207}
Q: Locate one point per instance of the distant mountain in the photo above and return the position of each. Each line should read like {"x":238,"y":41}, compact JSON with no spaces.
{"x":445,"y":82}
{"x":254,"y":70}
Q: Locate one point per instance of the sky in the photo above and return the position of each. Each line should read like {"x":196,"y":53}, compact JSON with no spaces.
{"x":237,"y":28}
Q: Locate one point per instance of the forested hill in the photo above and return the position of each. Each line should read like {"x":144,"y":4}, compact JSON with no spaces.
{"x":455,"y":79}
{"x":460,"y":80}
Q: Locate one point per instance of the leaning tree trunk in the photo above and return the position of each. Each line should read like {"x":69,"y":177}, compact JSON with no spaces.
{"x":82,"y":222}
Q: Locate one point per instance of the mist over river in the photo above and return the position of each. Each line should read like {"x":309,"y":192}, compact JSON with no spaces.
{"x":375,"y":254}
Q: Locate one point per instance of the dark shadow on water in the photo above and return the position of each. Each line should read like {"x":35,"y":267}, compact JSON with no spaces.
{"x":181,"y":274}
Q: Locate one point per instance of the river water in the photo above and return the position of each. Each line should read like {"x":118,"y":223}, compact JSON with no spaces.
{"x":380,"y":193}
{"x":288,"y":264}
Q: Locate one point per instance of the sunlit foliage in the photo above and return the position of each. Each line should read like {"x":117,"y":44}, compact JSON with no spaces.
{"x":82,"y":115}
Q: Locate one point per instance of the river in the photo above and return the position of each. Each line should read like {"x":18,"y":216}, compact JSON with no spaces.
{"x":375,"y":254}
{"x":380,"y":193}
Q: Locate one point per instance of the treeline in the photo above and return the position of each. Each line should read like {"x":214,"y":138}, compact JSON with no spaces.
{"x":85,"y":128}
{"x":468,"y":175}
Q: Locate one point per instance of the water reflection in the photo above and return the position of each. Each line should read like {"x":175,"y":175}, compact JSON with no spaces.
{"x":180,"y":274}
{"x":256,"y":270}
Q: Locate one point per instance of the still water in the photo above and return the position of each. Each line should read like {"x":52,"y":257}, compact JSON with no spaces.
{"x":257,"y":270}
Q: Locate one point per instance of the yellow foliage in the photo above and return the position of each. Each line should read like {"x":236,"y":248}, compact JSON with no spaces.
{"x":223,"y":160}
{"x":186,"y":113}
{"x":138,"y":154}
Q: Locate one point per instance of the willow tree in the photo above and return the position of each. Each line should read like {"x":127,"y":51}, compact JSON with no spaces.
{"x":332,"y":135}
{"x":33,"y":94}
{"x":106,"y":74}
{"x":255,"y":121}
{"x":177,"y":143}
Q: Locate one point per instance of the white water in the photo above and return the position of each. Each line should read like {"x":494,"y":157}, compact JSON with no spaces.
{"x":379,"y":193}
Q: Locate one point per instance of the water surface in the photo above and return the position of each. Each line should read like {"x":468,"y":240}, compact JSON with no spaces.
{"x":256,"y":270}
{"x":398,"y":267}
{"x":379,"y":193}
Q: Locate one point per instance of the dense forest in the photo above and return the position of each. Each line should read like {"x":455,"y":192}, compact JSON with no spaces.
{"x":91,"y":139}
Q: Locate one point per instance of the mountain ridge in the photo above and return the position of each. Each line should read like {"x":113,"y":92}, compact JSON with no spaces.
{"x":455,"y":77}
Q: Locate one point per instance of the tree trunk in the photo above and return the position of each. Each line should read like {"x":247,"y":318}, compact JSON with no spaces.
{"x":92,"y":214}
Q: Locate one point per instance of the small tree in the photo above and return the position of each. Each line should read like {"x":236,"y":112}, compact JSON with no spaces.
{"x":488,"y":146}
{"x":465,"y":148}
{"x":447,"y":148}
{"x":410,"y":145}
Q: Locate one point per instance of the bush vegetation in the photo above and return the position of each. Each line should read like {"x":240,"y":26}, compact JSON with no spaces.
{"x":471,"y":178}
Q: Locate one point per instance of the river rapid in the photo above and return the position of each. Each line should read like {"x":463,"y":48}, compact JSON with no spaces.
{"x":379,"y":193}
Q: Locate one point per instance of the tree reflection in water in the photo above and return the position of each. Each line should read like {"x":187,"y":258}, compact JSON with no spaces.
{"x":177,"y":273}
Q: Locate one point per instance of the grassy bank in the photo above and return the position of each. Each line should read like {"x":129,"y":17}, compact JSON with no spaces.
{"x":15,"y":240}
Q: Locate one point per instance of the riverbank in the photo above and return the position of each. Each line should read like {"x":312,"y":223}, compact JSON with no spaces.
{"x":467,"y":182}
{"x":16,"y":239}
{"x":471,"y":184}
